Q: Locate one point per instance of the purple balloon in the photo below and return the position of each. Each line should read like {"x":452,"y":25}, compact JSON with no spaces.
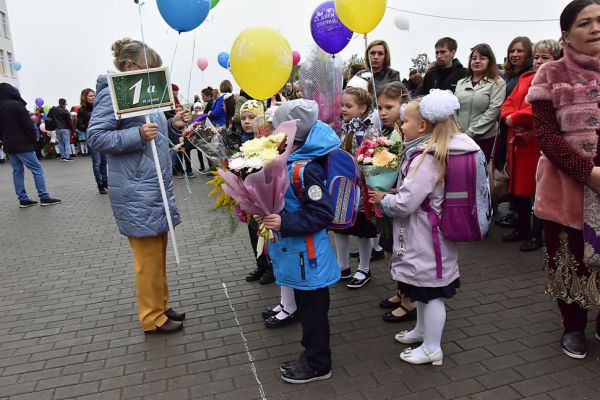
{"x":39,"y":102}
{"x":327,"y":29}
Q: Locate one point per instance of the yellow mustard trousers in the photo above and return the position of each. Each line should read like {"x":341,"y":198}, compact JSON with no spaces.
{"x":150,"y":266}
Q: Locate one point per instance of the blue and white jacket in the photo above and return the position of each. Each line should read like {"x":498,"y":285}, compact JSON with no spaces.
{"x":303,"y":221}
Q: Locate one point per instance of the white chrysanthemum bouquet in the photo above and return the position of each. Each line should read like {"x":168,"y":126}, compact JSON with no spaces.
{"x":257,"y":176}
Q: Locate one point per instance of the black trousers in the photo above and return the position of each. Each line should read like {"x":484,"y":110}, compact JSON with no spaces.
{"x":188,"y":160}
{"x":262,"y":263}
{"x":524,"y":207}
{"x":313,"y":307}
{"x":574,"y":317}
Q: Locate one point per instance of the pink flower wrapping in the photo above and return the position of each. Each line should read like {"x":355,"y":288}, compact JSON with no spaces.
{"x":263,"y":192}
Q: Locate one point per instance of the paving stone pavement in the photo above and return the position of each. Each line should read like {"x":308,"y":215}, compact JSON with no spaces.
{"x":69,"y":325}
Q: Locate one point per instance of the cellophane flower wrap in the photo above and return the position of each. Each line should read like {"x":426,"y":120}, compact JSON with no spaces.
{"x":379,"y":160}
{"x":258,"y":176}
{"x":216,"y":143}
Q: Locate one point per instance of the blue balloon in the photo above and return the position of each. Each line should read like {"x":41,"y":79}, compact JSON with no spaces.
{"x":327,"y":30}
{"x":223,"y":59}
{"x":17,"y":65}
{"x":183,"y":15}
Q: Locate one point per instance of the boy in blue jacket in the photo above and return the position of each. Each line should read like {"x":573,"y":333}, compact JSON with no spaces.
{"x":302,"y":257}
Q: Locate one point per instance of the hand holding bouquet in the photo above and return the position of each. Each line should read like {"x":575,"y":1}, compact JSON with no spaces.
{"x":379,"y":161}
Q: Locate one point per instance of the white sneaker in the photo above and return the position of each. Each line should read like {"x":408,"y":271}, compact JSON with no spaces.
{"x":402,"y":337}
{"x":436,"y":358}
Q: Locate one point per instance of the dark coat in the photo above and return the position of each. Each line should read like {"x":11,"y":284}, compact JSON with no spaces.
{"x":62,"y":117}
{"x":383,"y":77}
{"x":83,"y":117}
{"x":16,"y":127}
{"x":442,"y":78}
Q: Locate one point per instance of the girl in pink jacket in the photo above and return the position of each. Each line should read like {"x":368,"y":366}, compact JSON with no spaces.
{"x":431,"y":133}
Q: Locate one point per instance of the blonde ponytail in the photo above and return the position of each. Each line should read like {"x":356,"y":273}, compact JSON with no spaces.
{"x":127,"y":49}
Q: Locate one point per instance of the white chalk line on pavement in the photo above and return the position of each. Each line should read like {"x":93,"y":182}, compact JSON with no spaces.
{"x":245,"y":342}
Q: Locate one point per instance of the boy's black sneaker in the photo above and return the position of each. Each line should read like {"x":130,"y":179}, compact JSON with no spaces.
{"x":102,"y":189}
{"x":354,"y":254}
{"x":302,"y":373}
{"x":49,"y":202}
{"x":27,"y":203}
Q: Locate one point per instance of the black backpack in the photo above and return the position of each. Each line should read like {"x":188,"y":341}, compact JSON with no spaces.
{"x":50,"y":120}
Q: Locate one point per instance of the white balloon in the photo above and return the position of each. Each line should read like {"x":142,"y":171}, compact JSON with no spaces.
{"x":402,"y":23}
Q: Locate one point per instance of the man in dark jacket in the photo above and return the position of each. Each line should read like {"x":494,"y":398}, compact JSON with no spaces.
{"x":62,"y":117}
{"x":446,"y":71}
{"x":18,"y":138}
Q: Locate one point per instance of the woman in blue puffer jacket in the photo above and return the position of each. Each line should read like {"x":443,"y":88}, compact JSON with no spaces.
{"x":134,"y":189}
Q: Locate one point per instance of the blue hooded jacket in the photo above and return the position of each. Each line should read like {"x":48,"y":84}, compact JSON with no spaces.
{"x":134,"y":190}
{"x":307,"y":217}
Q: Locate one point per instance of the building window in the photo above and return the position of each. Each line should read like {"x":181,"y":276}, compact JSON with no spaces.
{"x":11,"y":70}
{"x":2,"y":68}
{"x":4,"y":23}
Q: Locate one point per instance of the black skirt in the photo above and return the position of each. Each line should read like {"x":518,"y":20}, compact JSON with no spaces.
{"x":362,"y":228}
{"x":425,"y":294}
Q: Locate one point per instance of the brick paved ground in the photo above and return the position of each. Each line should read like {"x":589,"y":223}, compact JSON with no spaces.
{"x":69,"y":327}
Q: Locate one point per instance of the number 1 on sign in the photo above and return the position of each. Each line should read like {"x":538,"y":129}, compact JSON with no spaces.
{"x":137,"y":92}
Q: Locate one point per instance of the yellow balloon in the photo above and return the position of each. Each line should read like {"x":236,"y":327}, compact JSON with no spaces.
{"x":360,"y":16}
{"x":261,"y":62}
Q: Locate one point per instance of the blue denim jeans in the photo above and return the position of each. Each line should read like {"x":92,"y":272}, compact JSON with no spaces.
{"x":99,"y":166}
{"x":64,"y":142}
{"x":29,"y":160}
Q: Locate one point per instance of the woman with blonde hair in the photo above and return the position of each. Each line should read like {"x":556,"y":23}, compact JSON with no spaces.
{"x":134,"y":189}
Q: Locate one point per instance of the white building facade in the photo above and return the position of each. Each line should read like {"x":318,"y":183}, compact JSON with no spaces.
{"x":7,"y":55}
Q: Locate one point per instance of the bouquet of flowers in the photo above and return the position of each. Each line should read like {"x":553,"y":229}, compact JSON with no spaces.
{"x":379,"y":161}
{"x":258,"y":177}
{"x":216,"y":144}
{"x":229,"y":212}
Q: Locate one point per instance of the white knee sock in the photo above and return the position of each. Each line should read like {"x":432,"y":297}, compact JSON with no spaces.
{"x":288,"y":301}
{"x":365,"y":245}
{"x":376,"y":245}
{"x":342,"y":244}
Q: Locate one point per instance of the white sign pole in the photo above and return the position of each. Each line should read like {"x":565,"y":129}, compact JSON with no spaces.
{"x":163,"y":192}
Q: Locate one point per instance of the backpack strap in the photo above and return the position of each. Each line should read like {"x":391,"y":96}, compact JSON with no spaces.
{"x":298,"y":182}
{"x":435,"y":235}
{"x":435,"y":221}
{"x":298,"y":177}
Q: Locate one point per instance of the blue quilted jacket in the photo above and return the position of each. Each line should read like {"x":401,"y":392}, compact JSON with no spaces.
{"x":133,"y":185}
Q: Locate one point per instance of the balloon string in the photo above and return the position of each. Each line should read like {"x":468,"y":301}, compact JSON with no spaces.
{"x":155,"y":111}
{"x":372,"y":74}
{"x":189,"y":95}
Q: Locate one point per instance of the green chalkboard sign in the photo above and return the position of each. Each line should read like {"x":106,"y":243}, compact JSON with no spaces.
{"x":141,"y":92}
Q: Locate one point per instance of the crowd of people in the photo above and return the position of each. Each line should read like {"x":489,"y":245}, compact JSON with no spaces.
{"x":536,"y":117}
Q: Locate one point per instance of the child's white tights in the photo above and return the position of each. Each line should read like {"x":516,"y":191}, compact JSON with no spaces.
{"x":288,"y":301}
{"x":342,"y":248}
{"x":431,"y":318}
